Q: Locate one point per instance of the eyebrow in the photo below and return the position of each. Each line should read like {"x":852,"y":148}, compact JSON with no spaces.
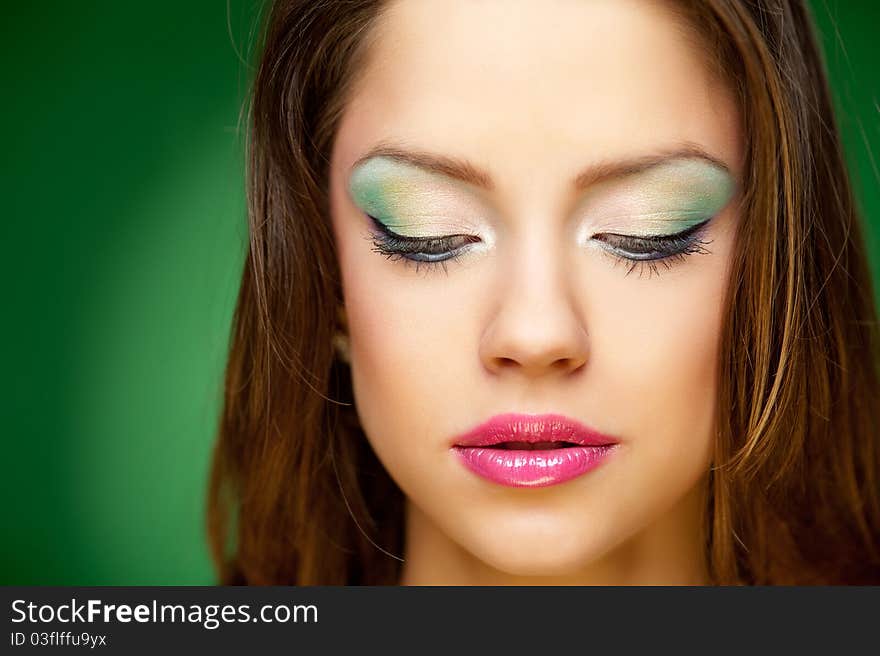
{"x":460,"y":169}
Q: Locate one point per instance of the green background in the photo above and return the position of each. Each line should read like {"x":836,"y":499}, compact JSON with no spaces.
{"x":124,"y":237}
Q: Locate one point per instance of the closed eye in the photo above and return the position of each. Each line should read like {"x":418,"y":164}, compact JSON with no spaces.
{"x":651,"y":250}
{"x":637,"y":251}
{"x":418,"y":250}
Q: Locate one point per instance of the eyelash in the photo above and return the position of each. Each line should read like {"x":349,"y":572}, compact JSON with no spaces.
{"x":667,"y":249}
{"x":664,"y":250}
{"x":399,"y":247}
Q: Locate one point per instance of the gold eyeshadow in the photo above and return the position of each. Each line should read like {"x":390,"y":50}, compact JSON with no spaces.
{"x":666,"y":199}
{"x":413,"y":202}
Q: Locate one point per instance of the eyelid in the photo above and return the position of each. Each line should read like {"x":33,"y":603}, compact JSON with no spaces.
{"x":658,"y":238}
{"x":657,"y":248}
{"x":664,"y":250}
{"x":650,"y":207}
{"x":384,"y":188}
{"x":407,"y":238}
{"x":476,"y":239}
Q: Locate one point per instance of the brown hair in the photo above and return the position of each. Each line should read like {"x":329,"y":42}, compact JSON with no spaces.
{"x":297,"y":496}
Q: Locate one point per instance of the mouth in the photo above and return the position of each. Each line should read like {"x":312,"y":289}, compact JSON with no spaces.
{"x":532,"y":450}
{"x":530,"y":446}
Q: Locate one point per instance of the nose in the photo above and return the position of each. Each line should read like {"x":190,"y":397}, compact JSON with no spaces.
{"x":536,"y":328}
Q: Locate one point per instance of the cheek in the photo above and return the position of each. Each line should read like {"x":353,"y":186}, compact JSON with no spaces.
{"x":396,"y":322}
{"x":654,"y":358}
{"x":407,"y":348}
{"x":655,"y":347}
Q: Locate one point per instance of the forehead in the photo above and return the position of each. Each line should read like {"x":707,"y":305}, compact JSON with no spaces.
{"x":533,"y":91}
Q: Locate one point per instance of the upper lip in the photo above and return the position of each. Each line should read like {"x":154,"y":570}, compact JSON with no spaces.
{"x":513,"y":427}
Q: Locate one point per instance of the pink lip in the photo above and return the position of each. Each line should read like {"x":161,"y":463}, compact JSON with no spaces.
{"x":524,"y":467}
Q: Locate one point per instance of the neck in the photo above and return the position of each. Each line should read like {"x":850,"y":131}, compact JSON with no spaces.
{"x":668,"y":552}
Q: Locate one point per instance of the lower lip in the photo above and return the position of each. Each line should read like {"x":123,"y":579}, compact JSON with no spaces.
{"x":533,"y":468}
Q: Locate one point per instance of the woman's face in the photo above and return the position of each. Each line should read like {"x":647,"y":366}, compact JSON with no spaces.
{"x":584,"y":164}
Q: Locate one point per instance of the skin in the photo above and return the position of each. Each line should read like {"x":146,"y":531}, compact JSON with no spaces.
{"x":539,"y":315}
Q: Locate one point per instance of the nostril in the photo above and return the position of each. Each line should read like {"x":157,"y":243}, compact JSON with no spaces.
{"x":558,"y":365}
{"x":571,"y":365}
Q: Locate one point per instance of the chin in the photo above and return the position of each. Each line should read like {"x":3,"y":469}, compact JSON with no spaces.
{"x":550,"y":554}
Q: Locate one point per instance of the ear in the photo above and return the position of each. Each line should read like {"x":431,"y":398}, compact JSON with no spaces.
{"x":340,"y":336}
{"x":341,"y":319}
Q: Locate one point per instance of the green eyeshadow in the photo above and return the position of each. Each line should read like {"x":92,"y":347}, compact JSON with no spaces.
{"x":408,"y":200}
{"x":663,"y":200}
